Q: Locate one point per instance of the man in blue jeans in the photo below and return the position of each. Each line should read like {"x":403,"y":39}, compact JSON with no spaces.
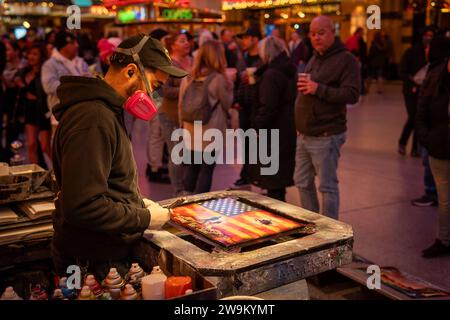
{"x":330,"y":82}
{"x":429,"y":199}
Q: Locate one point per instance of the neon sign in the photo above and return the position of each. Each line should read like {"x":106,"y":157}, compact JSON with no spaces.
{"x":120,"y":3}
{"x":246,"y":4}
{"x":177,"y":14}
{"x":175,"y":3}
{"x":131,"y":14}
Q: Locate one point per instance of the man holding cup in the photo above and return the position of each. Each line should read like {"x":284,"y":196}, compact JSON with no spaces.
{"x":331,"y":80}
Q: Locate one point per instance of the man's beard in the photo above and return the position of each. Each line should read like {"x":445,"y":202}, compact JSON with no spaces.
{"x":132,"y":89}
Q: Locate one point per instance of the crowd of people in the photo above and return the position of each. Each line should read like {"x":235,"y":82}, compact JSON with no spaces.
{"x":301,"y":87}
{"x":30,"y":78}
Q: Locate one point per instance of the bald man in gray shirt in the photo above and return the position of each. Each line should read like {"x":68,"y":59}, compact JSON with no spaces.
{"x":330,"y":82}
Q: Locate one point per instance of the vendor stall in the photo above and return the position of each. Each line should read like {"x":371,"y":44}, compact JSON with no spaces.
{"x":246,"y":243}
{"x":226,"y":243}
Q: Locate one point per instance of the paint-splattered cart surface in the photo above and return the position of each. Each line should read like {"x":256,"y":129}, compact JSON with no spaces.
{"x":247,"y":243}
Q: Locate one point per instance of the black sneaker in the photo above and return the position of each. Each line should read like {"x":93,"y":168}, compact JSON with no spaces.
{"x":158,"y":176}
{"x":240,"y":183}
{"x":148,"y":170}
{"x":436,"y":250}
{"x":424,"y":201}
{"x":164,"y":170}
{"x":415,"y":154}
{"x":401,"y":149}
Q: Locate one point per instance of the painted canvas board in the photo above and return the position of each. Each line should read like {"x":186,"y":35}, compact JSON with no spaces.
{"x":230,"y":222}
{"x":410,"y":285}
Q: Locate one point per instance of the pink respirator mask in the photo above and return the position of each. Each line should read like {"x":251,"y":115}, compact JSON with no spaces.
{"x":140,"y":105}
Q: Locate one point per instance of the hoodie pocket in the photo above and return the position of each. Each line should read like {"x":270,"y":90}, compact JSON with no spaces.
{"x":305,"y":116}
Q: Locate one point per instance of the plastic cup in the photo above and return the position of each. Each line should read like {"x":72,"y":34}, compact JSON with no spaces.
{"x":304,"y":76}
{"x":251,"y":75}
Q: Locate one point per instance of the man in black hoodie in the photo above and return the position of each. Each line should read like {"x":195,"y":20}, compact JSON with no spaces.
{"x":99,"y":210}
{"x":333,"y":80}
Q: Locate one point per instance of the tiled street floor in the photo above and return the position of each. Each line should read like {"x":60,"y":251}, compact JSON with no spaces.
{"x":376,"y":184}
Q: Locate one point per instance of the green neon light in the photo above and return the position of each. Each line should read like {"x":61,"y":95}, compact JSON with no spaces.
{"x":177,"y":14}
{"x":127,"y":16}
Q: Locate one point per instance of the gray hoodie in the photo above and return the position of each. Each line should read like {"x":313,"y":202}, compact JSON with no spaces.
{"x":338,"y":74}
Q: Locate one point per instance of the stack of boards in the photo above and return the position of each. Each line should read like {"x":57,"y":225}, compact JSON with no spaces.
{"x":26,"y":220}
{"x":37,"y":209}
{"x":7,"y":216}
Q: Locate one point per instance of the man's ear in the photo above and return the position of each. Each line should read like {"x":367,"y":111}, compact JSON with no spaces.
{"x":130,"y":70}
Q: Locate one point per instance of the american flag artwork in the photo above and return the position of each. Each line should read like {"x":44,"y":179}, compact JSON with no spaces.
{"x":227,"y":206}
{"x":230,"y":222}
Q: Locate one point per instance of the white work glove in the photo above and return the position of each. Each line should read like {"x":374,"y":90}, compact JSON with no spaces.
{"x":148,"y":202}
{"x":158,"y":215}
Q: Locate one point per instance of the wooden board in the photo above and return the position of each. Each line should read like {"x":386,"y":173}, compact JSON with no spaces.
{"x":7,"y":216}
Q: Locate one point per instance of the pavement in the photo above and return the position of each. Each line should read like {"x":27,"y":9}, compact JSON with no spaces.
{"x":376,"y":185}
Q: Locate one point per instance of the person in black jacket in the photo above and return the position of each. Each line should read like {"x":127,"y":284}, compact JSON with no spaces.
{"x":99,"y":212}
{"x":301,"y":53}
{"x":378,"y":54}
{"x":433,"y":131}
{"x":230,"y":47}
{"x":358,"y":47}
{"x":245,"y":94}
{"x":413,"y":60}
{"x":33,"y":100}
{"x":274,"y":109}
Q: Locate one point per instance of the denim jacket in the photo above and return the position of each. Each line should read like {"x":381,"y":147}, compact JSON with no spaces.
{"x":56,"y":67}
